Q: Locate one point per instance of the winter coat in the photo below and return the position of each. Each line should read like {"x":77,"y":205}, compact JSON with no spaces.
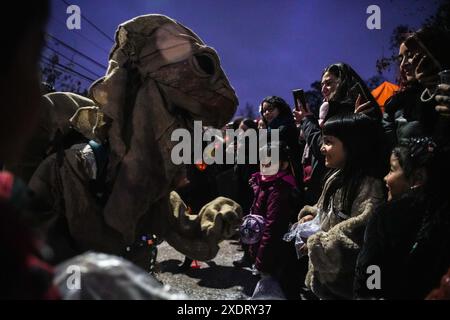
{"x":333,"y":250}
{"x":272,"y":201}
{"x":410,"y":243}
{"x":275,"y":199}
{"x":406,"y":116}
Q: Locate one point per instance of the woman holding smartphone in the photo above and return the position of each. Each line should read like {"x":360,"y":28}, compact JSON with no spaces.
{"x":343,"y":93}
{"x":413,"y":111}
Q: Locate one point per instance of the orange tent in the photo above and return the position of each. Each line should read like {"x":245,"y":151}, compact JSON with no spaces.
{"x":383,"y":92}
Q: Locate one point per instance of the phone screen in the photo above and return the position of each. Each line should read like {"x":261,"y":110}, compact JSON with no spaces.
{"x":356,"y":90}
{"x":299,"y":96}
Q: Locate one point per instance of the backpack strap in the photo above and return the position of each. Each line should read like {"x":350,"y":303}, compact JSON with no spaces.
{"x":98,"y":185}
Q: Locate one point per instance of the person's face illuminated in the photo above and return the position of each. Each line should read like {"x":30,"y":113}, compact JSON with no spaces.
{"x":333,"y":150}
{"x":328,"y":85}
{"x":269,"y":112}
{"x":396,"y":181}
{"x":405,"y":57}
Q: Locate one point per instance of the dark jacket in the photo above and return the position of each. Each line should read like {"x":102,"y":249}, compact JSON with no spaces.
{"x":406,"y":116}
{"x":409,"y":240}
{"x":313,"y":137}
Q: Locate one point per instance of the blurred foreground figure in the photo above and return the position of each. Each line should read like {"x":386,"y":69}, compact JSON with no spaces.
{"x":22,"y":273}
{"x":443,"y":292}
{"x":107,"y":277}
{"x":114,"y":193}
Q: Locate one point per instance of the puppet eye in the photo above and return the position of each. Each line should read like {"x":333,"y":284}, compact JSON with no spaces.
{"x":205,"y":63}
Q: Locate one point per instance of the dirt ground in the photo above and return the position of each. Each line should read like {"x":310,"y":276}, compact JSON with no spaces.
{"x":214,"y":280}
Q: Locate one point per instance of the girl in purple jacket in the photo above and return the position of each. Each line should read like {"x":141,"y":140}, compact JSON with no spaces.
{"x":274,"y":197}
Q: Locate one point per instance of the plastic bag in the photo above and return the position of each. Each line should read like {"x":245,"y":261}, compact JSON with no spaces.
{"x":98,"y":276}
{"x":268,"y":288}
{"x":300,"y":231}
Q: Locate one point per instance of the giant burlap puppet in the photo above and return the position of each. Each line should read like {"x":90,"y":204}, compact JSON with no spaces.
{"x":52,"y":133}
{"x":104,"y":196}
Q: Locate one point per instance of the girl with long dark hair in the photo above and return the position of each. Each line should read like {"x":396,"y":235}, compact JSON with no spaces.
{"x":408,"y":238}
{"x":353,"y":150}
{"x":344,"y":92}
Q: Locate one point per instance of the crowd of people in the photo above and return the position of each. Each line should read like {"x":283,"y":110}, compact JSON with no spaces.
{"x":372,"y":185}
{"x":375,"y":184}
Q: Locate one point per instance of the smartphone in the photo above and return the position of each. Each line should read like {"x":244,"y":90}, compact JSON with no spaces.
{"x":299,"y":96}
{"x":356,"y":90}
{"x":414,"y":44}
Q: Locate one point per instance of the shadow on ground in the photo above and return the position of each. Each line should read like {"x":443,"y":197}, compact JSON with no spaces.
{"x":214,"y":276}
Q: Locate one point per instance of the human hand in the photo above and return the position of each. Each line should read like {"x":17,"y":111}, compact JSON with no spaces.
{"x":363,"y":107}
{"x":306,"y":218}
{"x":426,"y":71}
{"x":304,"y":250}
{"x":307,"y":210}
{"x":443,"y":100}
{"x":300,"y":114}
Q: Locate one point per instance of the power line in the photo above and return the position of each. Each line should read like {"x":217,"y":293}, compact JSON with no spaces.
{"x":60,"y":70}
{"x":93,"y":25}
{"x":77,"y":52}
{"x":67,"y":69}
{"x":56,"y":68}
{"x":69,"y":86}
{"x":63,"y":69}
{"x":52,"y":66}
{"x":81,"y":36}
{"x":71,"y":61}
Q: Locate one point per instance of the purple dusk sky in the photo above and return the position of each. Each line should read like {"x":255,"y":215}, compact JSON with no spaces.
{"x":266,"y":47}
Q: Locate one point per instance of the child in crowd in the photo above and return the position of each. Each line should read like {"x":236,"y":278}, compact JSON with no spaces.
{"x":277,"y":115}
{"x":353,"y":149}
{"x":273,"y":190}
{"x":408,"y":238}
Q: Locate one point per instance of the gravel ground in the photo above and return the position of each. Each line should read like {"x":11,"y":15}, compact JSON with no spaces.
{"x":215,"y":280}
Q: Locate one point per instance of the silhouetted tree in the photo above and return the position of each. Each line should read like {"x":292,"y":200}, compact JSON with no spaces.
{"x":57,"y":77}
{"x":375,"y":81}
{"x":314,"y":97}
{"x":248,"y":111}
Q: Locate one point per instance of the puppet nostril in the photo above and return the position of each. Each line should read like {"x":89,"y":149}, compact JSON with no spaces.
{"x":206,"y":63}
